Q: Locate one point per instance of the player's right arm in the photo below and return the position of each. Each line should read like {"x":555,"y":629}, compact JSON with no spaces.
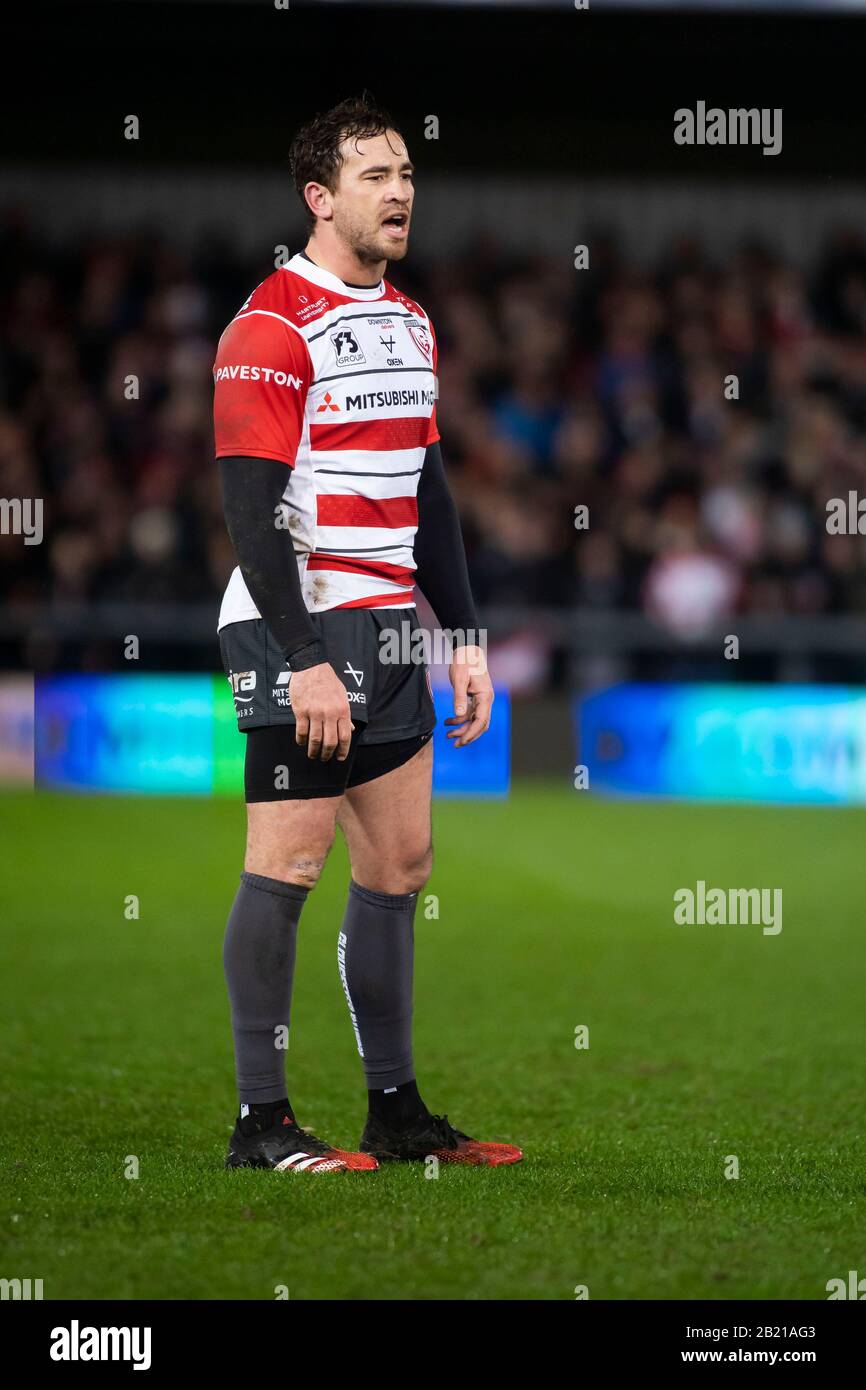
{"x":258,"y":421}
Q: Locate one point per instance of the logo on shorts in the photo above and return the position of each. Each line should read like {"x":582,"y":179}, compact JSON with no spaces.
{"x":242,"y":681}
{"x":280,"y":694}
{"x":347,"y":348}
{"x":354,"y":696}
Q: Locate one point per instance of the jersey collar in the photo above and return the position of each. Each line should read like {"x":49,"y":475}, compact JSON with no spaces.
{"x":308,"y":270}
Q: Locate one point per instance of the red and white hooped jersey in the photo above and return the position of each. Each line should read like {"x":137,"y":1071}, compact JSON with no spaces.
{"x":339,"y":383}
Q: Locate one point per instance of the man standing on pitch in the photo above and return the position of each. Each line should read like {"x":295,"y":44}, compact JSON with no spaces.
{"x":336,"y":502}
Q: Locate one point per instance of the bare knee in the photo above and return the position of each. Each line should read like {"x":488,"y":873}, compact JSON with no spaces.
{"x":302,"y":870}
{"x":403,"y":871}
{"x":290,"y":853}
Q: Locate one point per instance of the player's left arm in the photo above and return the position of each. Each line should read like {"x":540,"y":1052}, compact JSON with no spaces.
{"x":443,"y":575}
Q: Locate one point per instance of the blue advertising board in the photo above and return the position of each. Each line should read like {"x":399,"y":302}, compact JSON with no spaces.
{"x":176,"y":734}
{"x":782,"y":743}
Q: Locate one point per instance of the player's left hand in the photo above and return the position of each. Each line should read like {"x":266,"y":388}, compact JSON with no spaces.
{"x":473,"y":695}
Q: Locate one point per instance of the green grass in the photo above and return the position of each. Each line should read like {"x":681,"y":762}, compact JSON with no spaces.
{"x":554,"y":910}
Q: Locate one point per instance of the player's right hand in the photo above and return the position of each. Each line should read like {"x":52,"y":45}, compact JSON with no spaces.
{"x":320,"y":704}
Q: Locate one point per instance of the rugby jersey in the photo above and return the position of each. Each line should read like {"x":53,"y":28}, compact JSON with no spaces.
{"x":339,"y":383}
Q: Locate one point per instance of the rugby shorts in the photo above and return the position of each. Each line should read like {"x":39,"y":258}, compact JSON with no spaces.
{"x":390,"y":701}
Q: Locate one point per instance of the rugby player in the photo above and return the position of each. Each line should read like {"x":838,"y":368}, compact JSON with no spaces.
{"x":337,"y":504}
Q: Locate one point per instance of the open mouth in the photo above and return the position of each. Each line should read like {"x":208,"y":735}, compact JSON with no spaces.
{"x":397,"y":222}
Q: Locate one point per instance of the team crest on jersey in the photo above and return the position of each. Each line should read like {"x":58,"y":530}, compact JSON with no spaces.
{"x":421,"y":338}
{"x":347,"y":348}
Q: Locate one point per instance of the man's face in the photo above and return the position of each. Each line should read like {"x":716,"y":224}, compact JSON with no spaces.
{"x":372,"y":203}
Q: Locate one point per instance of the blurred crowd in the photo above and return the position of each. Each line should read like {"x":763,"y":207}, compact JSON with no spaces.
{"x":702,"y":414}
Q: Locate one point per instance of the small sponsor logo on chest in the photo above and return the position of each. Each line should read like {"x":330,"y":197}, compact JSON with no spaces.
{"x":379,"y":341}
{"x":347,"y":349}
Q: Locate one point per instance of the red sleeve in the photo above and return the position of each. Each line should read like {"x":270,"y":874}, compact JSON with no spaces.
{"x":433,"y":430}
{"x":261,"y":377}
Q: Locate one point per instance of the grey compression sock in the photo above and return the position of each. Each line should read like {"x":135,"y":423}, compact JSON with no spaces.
{"x":375,"y":951}
{"x":259,"y":960}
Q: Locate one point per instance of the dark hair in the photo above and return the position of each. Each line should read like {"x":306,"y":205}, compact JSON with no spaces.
{"x":315,"y":153}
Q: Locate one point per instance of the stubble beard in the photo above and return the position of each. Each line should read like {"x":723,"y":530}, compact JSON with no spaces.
{"x":369,"y":248}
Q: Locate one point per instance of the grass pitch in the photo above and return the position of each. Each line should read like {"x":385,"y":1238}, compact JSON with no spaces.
{"x":554,"y":910}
